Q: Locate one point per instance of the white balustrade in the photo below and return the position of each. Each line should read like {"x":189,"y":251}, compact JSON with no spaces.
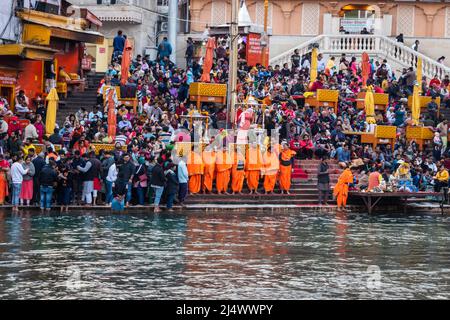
{"x":377,"y":45}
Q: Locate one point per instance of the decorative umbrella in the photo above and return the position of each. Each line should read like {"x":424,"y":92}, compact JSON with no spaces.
{"x":52,"y":106}
{"x":369,"y":104}
{"x":419,"y":74}
{"x":313,"y":71}
{"x":415,"y":107}
{"x":365,"y":68}
{"x":112,"y":117}
{"x":126,"y":61}
{"x":208,"y":60}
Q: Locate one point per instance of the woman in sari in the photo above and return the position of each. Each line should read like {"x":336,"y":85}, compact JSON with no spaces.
{"x":4,"y":169}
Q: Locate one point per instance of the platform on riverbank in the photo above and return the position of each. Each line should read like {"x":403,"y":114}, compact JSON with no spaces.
{"x":412,"y":208}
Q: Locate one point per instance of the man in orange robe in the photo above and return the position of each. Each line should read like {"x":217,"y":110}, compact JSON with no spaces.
{"x":286,"y":161}
{"x":238,"y":170}
{"x":253,"y":163}
{"x":195,"y":171}
{"x":271,"y":166}
{"x":223,"y":170}
{"x":341,"y":188}
{"x":209,"y":162}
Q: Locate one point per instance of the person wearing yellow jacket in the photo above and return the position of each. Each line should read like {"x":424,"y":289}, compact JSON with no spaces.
{"x":441,"y":179}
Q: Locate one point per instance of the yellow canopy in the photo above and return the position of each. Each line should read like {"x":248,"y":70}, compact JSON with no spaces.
{"x":313,"y":72}
{"x":369,"y":104}
{"x":52,"y":105}
{"x":415,"y":107}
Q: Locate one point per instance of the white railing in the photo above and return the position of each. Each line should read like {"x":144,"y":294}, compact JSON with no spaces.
{"x":377,"y":45}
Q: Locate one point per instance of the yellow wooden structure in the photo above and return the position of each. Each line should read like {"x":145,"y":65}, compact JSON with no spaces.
{"x":382,"y":135}
{"x":381,"y":100}
{"x":207,"y":92}
{"x":424,"y":101}
{"x":419,"y":134}
{"x":323,"y":98}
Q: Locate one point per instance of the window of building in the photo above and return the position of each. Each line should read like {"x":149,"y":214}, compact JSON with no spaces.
{"x":218,"y":12}
{"x":259,"y":16}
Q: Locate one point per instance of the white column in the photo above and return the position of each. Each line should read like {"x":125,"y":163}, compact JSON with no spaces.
{"x":327,"y":24}
{"x":172,"y":34}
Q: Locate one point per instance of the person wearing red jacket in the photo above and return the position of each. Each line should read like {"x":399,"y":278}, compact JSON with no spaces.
{"x":307,"y":147}
{"x":295,"y":144}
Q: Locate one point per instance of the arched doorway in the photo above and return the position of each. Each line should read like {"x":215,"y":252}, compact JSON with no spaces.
{"x":358,"y":18}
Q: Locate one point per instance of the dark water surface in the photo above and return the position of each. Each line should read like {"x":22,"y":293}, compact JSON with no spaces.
{"x":229,"y":256}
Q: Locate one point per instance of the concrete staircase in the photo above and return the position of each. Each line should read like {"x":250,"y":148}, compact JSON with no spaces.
{"x":86,"y":99}
{"x":303,"y":190}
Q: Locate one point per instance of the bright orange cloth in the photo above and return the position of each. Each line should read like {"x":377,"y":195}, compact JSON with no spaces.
{"x":253,"y":164}
{"x":224,"y":164}
{"x":195,"y":171}
{"x":3,"y":187}
{"x":237,"y":176}
{"x":208,"y":60}
{"x":285,"y":171}
{"x":195,"y":183}
{"x":126,"y":62}
{"x":341,"y":188}
{"x":271,"y":165}
{"x":112,"y":117}
{"x":209,"y":162}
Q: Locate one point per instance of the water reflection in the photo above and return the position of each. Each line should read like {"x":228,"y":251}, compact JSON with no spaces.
{"x":195,"y":255}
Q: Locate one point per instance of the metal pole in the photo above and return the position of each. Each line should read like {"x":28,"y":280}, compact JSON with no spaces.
{"x":264,"y":49}
{"x":232,"y":75}
{"x":172,"y":34}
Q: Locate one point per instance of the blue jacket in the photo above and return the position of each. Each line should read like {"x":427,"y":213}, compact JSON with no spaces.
{"x":119,"y":43}
{"x":164,"y":49}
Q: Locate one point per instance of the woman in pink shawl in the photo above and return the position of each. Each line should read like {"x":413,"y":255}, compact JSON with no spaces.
{"x":40,"y":127}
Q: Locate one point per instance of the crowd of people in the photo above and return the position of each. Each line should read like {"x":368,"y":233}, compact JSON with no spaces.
{"x":142,"y":168}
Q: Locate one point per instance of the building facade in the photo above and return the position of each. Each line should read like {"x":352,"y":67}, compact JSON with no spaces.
{"x":140,"y":21}
{"x":296,"y":21}
{"x":38,"y":34}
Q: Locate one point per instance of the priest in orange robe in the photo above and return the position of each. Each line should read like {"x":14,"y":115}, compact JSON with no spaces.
{"x":209,"y":162}
{"x":271,"y":166}
{"x":253,"y":166}
{"x":195,"y":171}
{"x":286,"y":164}
{"x":224,"y":165}
{"x":341,"y":188}
{"x":238,"y":170}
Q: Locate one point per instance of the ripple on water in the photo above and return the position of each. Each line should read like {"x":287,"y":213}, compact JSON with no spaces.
{"x":197,"y":256}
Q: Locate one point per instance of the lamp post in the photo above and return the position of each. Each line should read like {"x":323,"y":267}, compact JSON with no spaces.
{"x":264,"y":36}
{"x":232,"y":73}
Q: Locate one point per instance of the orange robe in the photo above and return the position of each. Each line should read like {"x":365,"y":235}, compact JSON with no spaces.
{"x":286,"y":170}
{"x":253,"y":164}
{"x":209,"y":162}
{"x":237,"y":172}
{"x":223,"y":169}
{"x":195,"y":171}
{"x":341,"y":188}
{"x":271,"y":167}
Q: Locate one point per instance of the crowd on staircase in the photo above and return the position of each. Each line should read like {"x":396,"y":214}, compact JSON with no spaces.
{"x":142,"y":167}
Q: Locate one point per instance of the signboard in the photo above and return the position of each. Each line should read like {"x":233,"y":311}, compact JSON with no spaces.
{"x":254,"y":49}
{"x":8,"y":77}
{"x":356,"y":25}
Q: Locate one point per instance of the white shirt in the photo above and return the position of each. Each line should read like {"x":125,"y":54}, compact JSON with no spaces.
{"x":4,"y":127}
{"x":112,"y":173}
{"x":17,"y":172}
{"x":30,"y":132}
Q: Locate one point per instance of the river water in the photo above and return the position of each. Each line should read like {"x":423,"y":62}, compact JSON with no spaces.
{"x":227,"y":256}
